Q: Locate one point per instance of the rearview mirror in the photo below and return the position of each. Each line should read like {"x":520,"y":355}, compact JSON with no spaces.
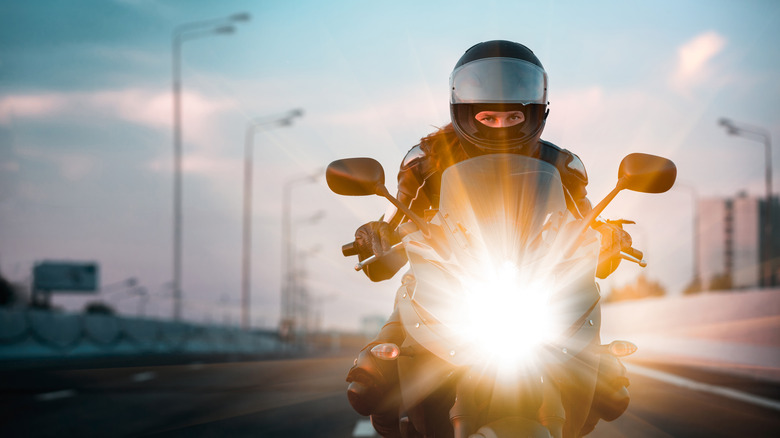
{"x":647,"y":173}
{"x":355,"y":177}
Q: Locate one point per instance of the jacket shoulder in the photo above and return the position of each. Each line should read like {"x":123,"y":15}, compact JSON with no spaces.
{"x":412,"y":173}
{"x":414,"y":157}
{"x":567,"y":162}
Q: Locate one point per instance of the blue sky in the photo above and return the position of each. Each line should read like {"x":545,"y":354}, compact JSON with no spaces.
{"x":85,"y":126}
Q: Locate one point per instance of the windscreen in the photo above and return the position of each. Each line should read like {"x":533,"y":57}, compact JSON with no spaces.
{"x":502,"y":204}
{"x":501,"y":214}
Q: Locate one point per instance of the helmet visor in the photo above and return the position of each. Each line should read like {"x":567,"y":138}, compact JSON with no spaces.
{"x":499,"y":80}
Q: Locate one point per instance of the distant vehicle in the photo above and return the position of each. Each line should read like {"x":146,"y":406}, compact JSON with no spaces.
{"x":99,"y":308}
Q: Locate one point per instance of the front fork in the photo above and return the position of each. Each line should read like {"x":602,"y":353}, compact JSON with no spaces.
{"x":513,"y":412}
{"x":566,"y":402}
{"x":511,"y":407}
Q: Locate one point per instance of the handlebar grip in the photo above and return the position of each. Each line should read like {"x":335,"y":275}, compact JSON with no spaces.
{"x":349,"y":249}
{"x":634,"y":253}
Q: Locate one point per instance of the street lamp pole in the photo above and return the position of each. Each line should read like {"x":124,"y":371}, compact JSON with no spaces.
{"x":246,"y":246}
{"x":697,"y":281}
{"x":286,"y":302}
{"x":181,"y":33}
{"x":762,"y":135}
{"x":296,"y":292}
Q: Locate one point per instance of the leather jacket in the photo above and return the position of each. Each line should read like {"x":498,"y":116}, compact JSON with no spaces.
{"x":419,"y":180}
{"x":419,"y":183}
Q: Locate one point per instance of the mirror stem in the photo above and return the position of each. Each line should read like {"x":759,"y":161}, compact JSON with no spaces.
{"x":591,"y":217}
{"x":381,"y":190}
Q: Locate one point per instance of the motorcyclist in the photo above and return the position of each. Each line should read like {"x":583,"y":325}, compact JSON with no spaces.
{"x":498,"y":104}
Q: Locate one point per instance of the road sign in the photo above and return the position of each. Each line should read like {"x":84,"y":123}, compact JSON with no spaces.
{"x":66,"y":276}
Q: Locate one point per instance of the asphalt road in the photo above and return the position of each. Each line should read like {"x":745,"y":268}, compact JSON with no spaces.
{"x":306,"y":398}
{"x":271,"y":398}
{"x":690,"y":403}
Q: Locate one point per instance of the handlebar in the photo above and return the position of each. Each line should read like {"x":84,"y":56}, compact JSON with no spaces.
{"x":633,"y":255}
{"x":349,"y":249}
{"x":633,"y":252}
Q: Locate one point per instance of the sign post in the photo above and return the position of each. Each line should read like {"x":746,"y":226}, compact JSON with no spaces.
{"x":76,"y":277}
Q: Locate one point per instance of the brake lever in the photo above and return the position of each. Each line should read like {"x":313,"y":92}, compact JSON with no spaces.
{"x":625,"y":256}
{"x":361,"y":264}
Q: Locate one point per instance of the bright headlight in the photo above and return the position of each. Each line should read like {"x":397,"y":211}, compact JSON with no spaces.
{"x":506,"y":314}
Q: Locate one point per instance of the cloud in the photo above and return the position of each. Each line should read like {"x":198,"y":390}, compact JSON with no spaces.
{"x":77,"y":167}
{"x":693,"y":57}
{"x":72,"y":165}
{"x":27,"y":106}
{"x":9,"y":166}
{"x":396,"y":109}
{"x":144,"y":107}
{"x":149,"y":108}
{"x":203,"y":163}
{"x":154,"y":109}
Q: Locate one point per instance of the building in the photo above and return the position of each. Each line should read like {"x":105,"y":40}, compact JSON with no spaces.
{"x":734,"y":242}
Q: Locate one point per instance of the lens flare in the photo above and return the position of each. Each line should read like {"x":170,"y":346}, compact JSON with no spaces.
{"x":506,"y":314}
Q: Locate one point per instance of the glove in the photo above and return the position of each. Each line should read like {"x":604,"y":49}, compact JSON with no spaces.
{"x":613,"y":240}
{"x":374,"y":238}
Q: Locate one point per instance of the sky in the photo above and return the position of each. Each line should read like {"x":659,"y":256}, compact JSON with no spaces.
{"x":86,"y":129}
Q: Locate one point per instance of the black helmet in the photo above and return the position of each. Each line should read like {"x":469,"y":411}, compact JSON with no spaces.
{"x":498,"y":76}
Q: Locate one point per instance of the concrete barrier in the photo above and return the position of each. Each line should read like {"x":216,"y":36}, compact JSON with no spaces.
{"x":735,"y":331}
{"x":30,"y":334}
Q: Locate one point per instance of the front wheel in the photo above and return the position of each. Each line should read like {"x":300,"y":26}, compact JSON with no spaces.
{"x":512,"y":427}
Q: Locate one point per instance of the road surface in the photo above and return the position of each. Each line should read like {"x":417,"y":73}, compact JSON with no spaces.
{"x":306,"y":398}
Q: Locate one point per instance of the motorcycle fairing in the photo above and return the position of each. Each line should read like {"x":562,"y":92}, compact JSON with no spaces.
{"x":494,"y":209}
{"x":524,"y":222}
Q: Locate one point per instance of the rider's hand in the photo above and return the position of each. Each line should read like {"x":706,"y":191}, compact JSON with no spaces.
{"x":613,"y":240}
{"x":374,"y":238}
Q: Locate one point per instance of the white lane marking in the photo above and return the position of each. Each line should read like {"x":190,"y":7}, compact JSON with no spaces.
{"x":56,"y":395}
{"x":144,"y":377}
{"x":703,"y":387}
{"x":363,"y":428}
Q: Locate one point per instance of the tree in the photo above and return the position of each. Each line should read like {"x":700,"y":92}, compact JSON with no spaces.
{"x":721,"y":282}
{"x":693,"y":288}
{"x":98,"y":308}
{"x":642,"y":288}
{"x":8,"y":293}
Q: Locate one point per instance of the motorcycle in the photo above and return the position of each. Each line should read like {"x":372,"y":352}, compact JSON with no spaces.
{"x":500,"y":310}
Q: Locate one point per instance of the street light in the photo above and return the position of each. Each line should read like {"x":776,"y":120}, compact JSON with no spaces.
{"x":186,"y":32}
{"x":696,"y":283}
{"x":246,"y":247}
{"x":143,"y":299}
{"x":123,"y":284}
{"x":761,"y":135}
{"x":287,"y":251}
{"x":318,"y":305}
{"x":139,"y":291}
{"x":296,"y":292}
{"x":302,"y":298}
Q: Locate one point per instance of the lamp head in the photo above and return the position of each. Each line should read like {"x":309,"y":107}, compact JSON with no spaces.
{"x":242,"y":16}
{"x":225,"y":30}
{"x":728,"y":124}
